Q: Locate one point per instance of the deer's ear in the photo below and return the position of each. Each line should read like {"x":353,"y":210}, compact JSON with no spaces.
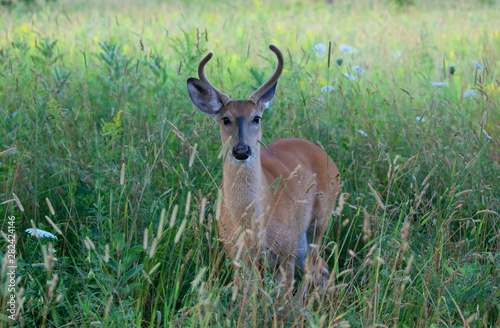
{"x":268,"y":96}
{"x":204,"y":97}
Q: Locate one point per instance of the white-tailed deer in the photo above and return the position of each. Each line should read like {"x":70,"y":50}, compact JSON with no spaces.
{"x":277,"y":199}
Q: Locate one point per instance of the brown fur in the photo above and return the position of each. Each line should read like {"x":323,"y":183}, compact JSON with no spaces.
{"x":273,"y":197}
{"x":284,"y":214}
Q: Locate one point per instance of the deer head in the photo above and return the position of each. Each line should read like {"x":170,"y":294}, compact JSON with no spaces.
{"x":238,"y":119}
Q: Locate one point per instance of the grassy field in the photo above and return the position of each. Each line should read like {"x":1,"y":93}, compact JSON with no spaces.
{"x":103,"y":149}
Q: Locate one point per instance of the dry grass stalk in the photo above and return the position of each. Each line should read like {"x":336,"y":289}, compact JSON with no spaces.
{"x":8,"y":150}
{"x":404,"y":238}
{"x":176,"y":131}
{"x":463,"y":193}
{"x":469,"y":320}
{"x":108,"y":306}
{"x":389,"y":171}
{"x":405,"y":165}
{"x":239,"y":243}
{"x":367,"y":230}
{"x":420,"y":196}
{"x":340,"y":207}
{"x":408,"y":265}
{"x":429,"y":175}
{"x":18,"y":202}
{"x":224,"y":148}
{"x":53,"y":225}
{"x":376,"y":195}
{"x":193,"y":154}
{"x":219,"y":204}
{"x":53,"y":285}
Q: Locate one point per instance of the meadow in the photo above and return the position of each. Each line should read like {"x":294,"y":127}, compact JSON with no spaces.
{"x":106,"y":159}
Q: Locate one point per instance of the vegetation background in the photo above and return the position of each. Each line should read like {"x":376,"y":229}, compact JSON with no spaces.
{"x":103,"y":152}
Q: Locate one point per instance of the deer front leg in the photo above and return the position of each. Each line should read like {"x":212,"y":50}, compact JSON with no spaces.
{"x":286,"y":277}
{"x":320,"y":271}
{"x":289,"y":267}
{"x":285,"y":274}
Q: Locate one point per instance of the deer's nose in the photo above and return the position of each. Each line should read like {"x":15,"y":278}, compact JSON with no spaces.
{"x":241,"y":152}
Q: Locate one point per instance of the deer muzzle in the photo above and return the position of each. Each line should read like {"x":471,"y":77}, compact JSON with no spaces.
{"x":242,"y":152}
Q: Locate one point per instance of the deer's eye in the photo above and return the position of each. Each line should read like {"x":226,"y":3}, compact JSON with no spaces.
{"x":256,"y":120}
{"x":226,"y":121}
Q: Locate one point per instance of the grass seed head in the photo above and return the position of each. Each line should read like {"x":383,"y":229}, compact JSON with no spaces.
{"x":51,"y":209}
{"x":153,"y":270}
{"x":86,"y":244}
{"x":161,"y":224}
{"x":202,"y":209}
{"x":53,"y":225}
{"x":122,"y":175}
{"x":376,"y":195}
{"x":181,"y":230}
{"x":106,"y":253}
{"x":188,"y":203}
{"x":193,"y":154}
{"x":18,"y":202}
{"x":367,"y":230}
{"x":91,"y":244}
{"x":173,"y":216}
{"x":153,"y":248}
{"x":145,"y":239}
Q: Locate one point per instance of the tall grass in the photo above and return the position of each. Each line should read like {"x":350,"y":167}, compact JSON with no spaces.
{"x":101,"y":142}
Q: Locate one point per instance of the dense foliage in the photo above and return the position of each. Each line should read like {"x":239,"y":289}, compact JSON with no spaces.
{"x":103,"y":149}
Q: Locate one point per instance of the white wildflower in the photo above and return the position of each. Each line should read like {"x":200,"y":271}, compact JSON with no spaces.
{"x":345,"y":49}
{"x":362,"y":132}
{"x":319,"y":48}
{"x":470,"y":93}
{"x":349,"y":76}
{"x":487,"y":135}
{"x":479,"y":67}
{"x":420,"y":119}
{"x":327,"y":88}
{"x":41,"y":233}
{"x":358,"y":69}
{"x":439,"y":84}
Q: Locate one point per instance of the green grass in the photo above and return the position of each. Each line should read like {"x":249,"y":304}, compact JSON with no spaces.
{"x":97,"y":122}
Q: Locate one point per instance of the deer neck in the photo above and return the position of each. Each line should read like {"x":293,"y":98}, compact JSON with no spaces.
{"x":242,"y":187}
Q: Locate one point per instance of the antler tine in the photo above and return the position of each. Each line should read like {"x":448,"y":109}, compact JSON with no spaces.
{"x":273,"y":79}
{"x":201,"y":73}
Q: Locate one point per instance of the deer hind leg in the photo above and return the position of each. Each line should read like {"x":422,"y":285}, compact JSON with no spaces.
{"x":313,"y":266}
